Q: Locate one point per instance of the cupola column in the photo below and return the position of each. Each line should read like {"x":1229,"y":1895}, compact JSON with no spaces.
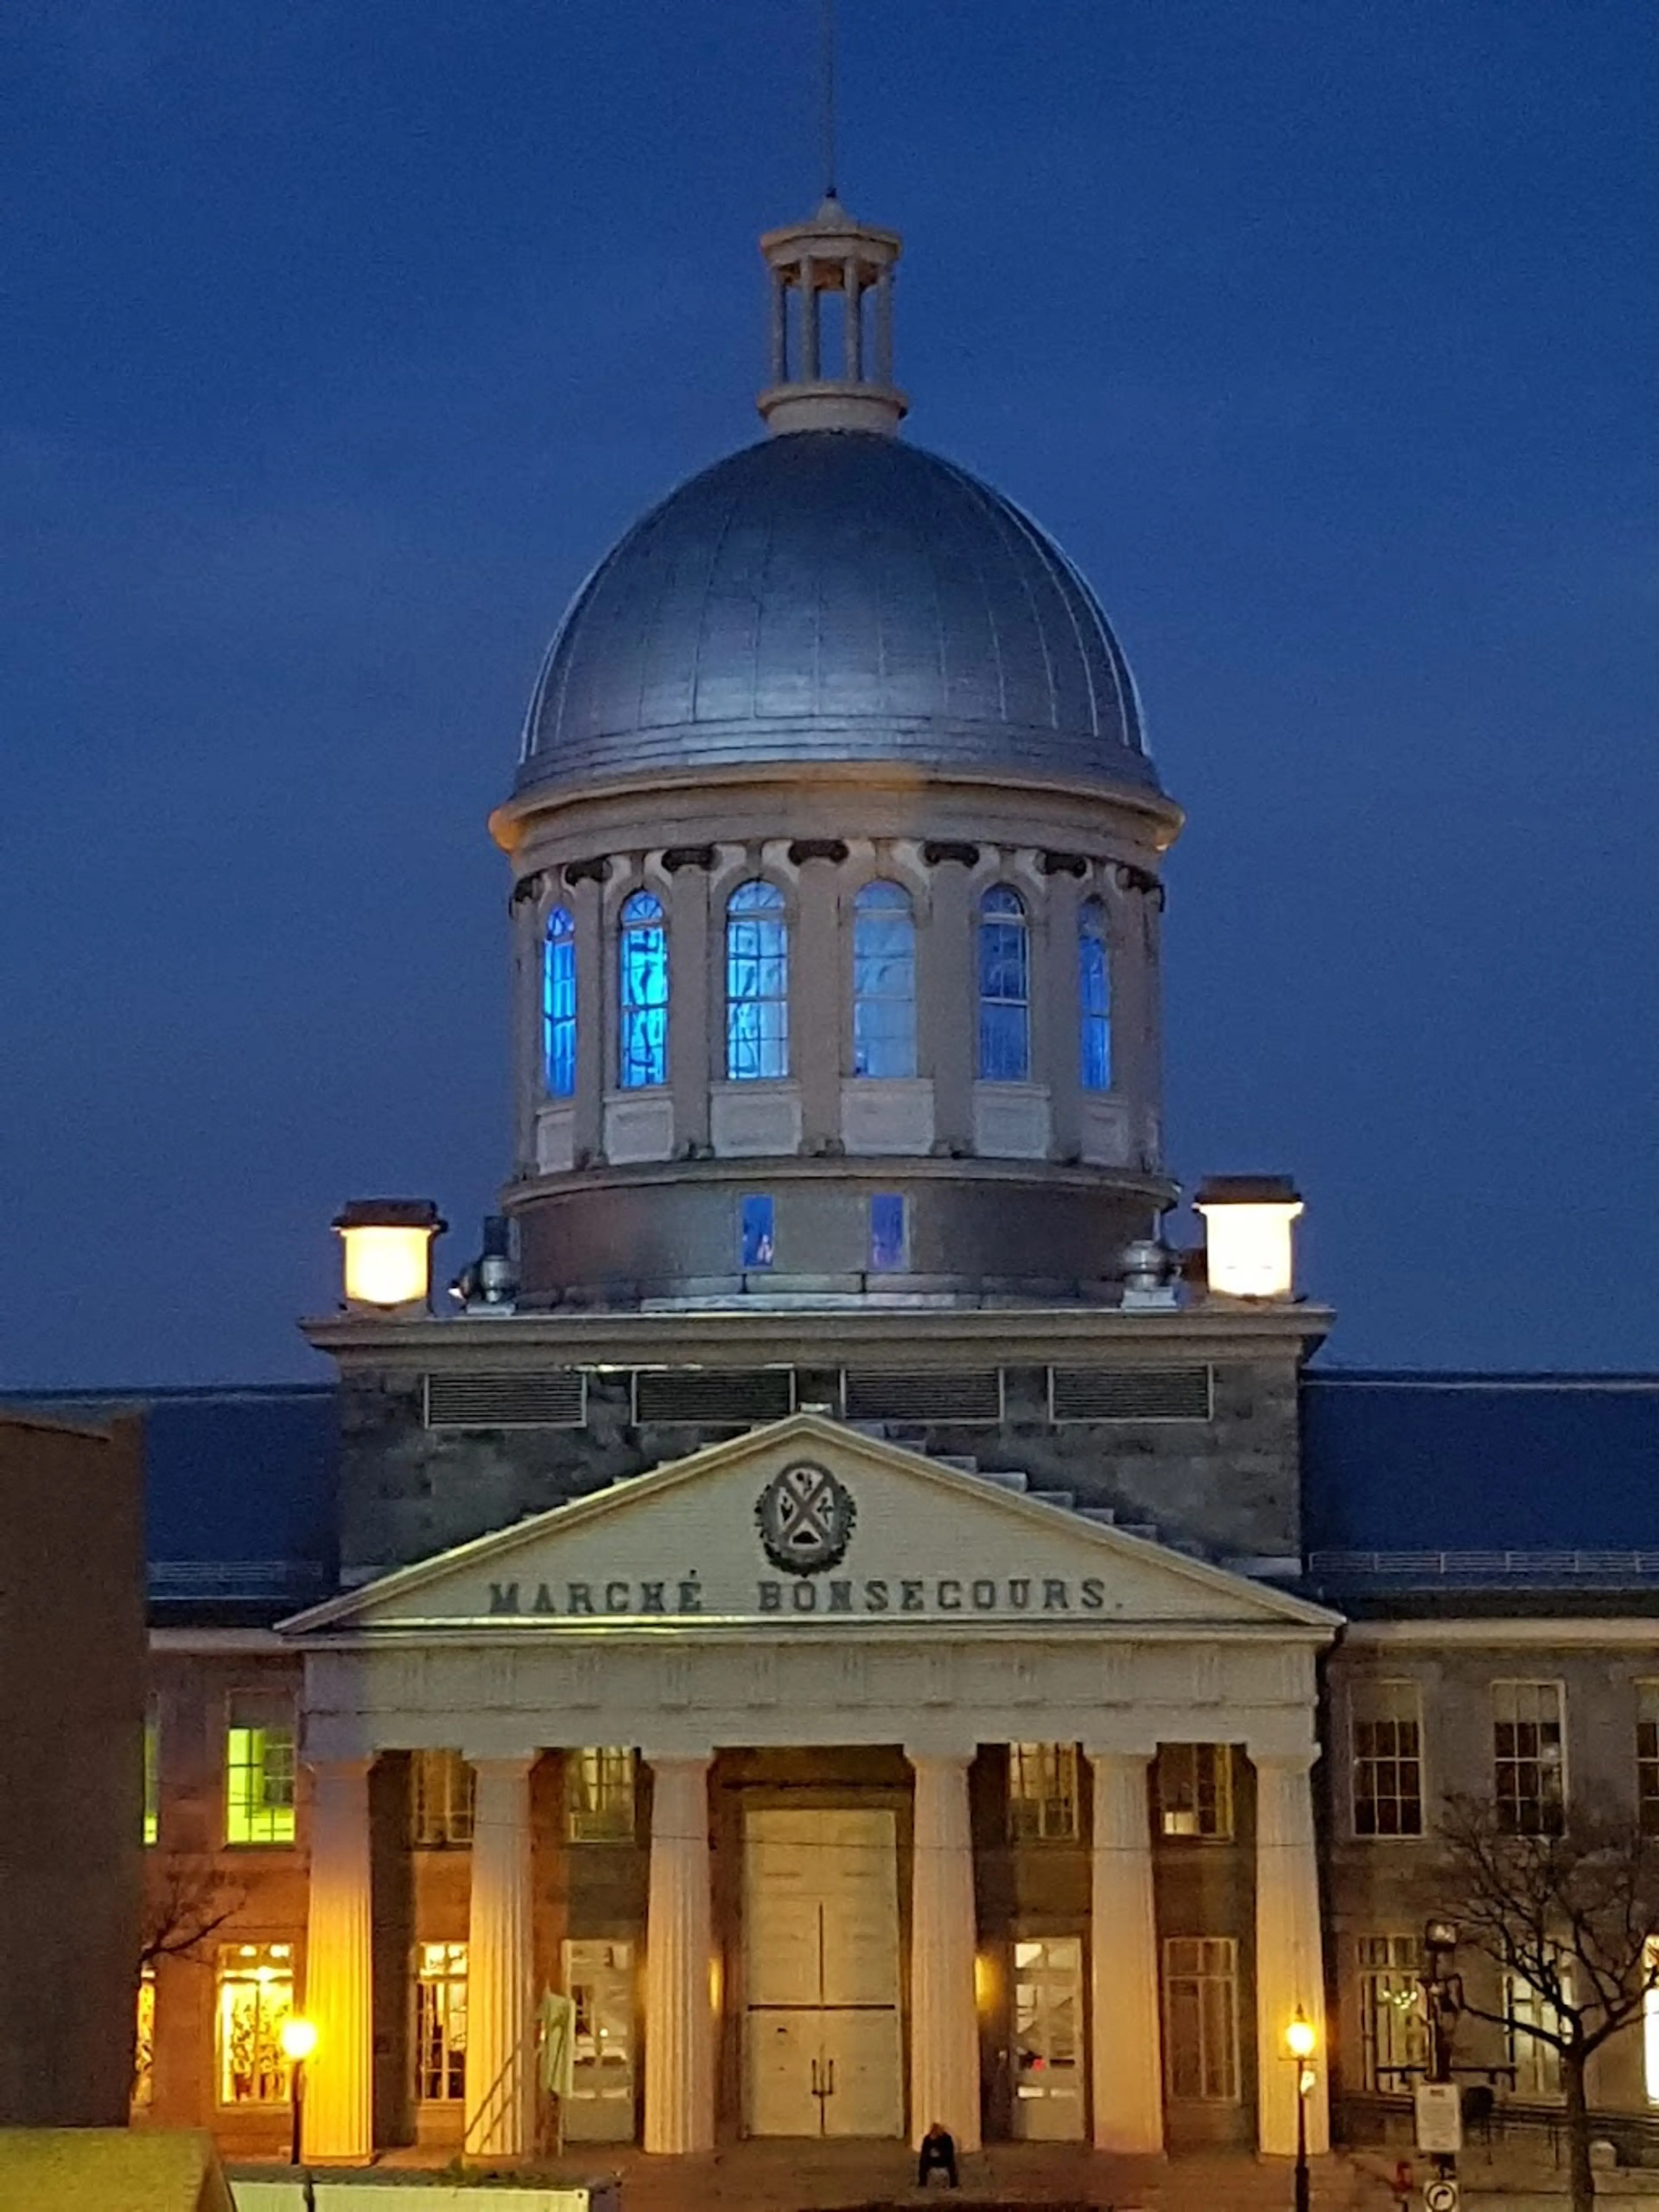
{"x":831,"y":253}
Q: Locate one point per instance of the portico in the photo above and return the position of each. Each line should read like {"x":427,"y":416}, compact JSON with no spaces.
{"x":821,"y":1646}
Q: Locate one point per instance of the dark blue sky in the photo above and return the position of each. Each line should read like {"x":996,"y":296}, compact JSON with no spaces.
{"x":341,"y":341}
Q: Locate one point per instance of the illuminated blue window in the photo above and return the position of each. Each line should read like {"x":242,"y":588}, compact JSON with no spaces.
{"x":559,"y":1003}
{"x":886,"y":1231}
{"x":883,"y":981}
{"x":642,"y":1058}
{"x":1094,"y":998}
{"x":1005,"y":988}
{"x":757,"y":984}
{"x":757,"y":1233}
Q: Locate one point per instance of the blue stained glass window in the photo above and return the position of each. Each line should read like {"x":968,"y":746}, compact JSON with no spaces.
{"x":1094,"y":998}
{"x":1005,"y":988}
{"x":559,"y":1004}
{"x":642,"y":1057}
{"x":887,"y":1231}
{"x":756,"y":983}
{"x":883,"y":981}
{"x":757,"y":1232}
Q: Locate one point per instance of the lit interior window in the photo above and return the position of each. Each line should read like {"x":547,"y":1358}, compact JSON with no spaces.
{"x":1094,"y":995}
{"x":884,"y":982}
{"x":440,"y":2023}
{"x":757,"y":984}
{"x":559,"y":1003}
{"x":1005,"y":988}
{"x":642,"y":1059}
{"x":255,"y":1996}
{"x":259,"y":1772}
{"x":152,"y":1776}
{"x":886,"y":1231}
{"x":1651,"y":2021}
{"x":143,"y":2042}
{"x":598,"y":1795}
{"x":758,"y":1232}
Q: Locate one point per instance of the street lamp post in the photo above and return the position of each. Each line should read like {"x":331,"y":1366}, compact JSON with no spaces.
{"x":1299,"y":2042}
{"x":299,"y":2040}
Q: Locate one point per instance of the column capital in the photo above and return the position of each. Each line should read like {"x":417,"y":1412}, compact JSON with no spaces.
{"x":1133,"y":1747}
{"x":928,"y":1755}
{"x":508,"y":1763}
{"x":1283,"y":1758}
{"x":658,"y":1761}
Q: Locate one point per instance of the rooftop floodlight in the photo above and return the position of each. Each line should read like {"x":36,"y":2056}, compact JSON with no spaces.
{"x":1250,"y":1252}
{"x":388,"y":1253}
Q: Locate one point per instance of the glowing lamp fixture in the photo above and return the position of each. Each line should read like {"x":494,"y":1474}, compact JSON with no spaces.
{"x":388,"y":1251}
{"x":1299,"y":2038}
{"x":298,"y":2038}
{"x":1249,"y":1249}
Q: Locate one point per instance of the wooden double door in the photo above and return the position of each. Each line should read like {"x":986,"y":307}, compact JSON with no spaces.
{"x":823,"y":2053}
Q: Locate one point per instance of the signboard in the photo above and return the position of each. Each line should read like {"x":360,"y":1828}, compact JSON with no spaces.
{"x":1439,"y":2121}
{"x":1439,"y":2196}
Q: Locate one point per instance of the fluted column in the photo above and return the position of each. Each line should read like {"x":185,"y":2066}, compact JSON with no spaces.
{"x":944,"y":2030}
{"x":500,"y":2060}
{"x":1128,"y":2082}
{"x":679,"y":2044}
{"x":1289,"y":1963}
{"x":339,"y":2115}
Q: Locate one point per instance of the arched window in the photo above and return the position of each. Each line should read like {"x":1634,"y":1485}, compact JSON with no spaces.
{"x":1005,"y":988}
{"x":883,"y":981}
{"x":1094,"y":998}
{"x":756,"y":983}
{"x":559,"y":1004}
{"x":642,"y":1054}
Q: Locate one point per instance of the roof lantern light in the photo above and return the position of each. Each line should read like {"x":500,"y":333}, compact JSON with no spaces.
{"x":1250,"y":1251}
{"x":388,"y":1253}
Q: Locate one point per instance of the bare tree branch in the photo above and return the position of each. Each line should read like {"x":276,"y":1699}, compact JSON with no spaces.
{"x":186,"y":1902}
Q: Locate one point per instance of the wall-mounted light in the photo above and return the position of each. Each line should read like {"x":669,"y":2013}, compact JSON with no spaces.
{"x":1250,"y":1251}
{"x":388,"y":1252}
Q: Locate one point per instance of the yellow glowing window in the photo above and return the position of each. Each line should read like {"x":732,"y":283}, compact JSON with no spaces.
{"x":441,"y":1794}
{"x":143,"y":2042}
{"x":598,"y":1795}
{"x":259,"y":1772}
{"x":152,"y":1776}
{"x":1195,"y":1789}
{"x":441,"y":2022}
{"x":254,"y":1996}
{"x":1043,"y":1801}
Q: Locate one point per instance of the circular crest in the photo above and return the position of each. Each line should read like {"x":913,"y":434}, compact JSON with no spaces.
{"x":806,"y":1518}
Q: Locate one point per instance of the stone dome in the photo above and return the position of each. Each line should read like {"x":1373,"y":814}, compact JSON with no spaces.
{"x":834,"y":595}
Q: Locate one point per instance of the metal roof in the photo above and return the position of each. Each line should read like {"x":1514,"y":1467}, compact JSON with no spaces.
{"x":834,"y":596}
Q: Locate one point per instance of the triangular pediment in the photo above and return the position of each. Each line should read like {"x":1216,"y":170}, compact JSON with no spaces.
{"x":806,"y":1520}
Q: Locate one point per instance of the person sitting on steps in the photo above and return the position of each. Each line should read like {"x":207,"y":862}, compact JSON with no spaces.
{"x":938,"y":2155}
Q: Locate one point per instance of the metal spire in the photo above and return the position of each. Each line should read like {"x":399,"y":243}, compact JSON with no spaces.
{"x":829,"y":75}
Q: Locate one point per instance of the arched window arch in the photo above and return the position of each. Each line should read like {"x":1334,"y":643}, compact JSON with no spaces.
{"x":1005,"y":988}
{"x":756,"y":983}
{"x":1094,"y":998}
{"x":559,"y":1004}
{"x":883,"y":981}
{"x":643,"y":993}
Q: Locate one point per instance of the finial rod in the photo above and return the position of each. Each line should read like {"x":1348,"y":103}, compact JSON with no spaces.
{"x":828,"y":74}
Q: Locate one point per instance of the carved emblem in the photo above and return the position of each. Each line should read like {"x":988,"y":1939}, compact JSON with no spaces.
{"x":806,"y":1519}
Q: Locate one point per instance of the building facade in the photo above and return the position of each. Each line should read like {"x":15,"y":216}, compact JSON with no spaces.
{"x":842,"y":1602}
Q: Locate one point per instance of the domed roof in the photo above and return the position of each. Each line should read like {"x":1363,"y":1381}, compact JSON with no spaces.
{"x":834,"y":595}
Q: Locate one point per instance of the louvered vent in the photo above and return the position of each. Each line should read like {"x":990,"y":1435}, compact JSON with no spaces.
{"x":972,"y":1394}
{"x":733,"y":1397}
{"x":555,"y":1398}
{"x":1129,"y":1394}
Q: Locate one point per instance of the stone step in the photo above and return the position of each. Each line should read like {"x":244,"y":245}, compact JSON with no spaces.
{"x":1106,"y":1515}
{"x":1006,"y":1478}
{"x":1065,"y":1499}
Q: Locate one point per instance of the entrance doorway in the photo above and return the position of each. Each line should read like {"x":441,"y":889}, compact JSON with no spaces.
{"x":599,"y":1978}
{"x":1048,"y":2039}
{"x":821,"y":2053}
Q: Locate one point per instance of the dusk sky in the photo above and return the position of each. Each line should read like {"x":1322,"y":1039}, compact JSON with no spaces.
{"x":342,"y":340}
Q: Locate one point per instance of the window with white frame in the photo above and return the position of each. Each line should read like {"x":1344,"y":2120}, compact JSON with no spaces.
{"x":1528,"y":1757}
{"x":1200,"y":2019}
{"x":598,"y":1795}
{"x":259,"y":1750}
{"x":1647,"y":1757}
{"x":1537,"y":2064}
{"x":1094,"y":997}
{"x":559,"y":1004}
{"x":441,"y":1785}
{"x":883,"y":981}
{"x":757,"y":984}
{"x":439,"y":2022}
{"x":1005,"y":988}
{"x":1195,"y":1789}
{"x":643,"y":993}
{"x":1043,"y":1801}
{"x":1387,"y":1757}
{"x":253,"y":1996}
{"x":1394,"y":2036}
